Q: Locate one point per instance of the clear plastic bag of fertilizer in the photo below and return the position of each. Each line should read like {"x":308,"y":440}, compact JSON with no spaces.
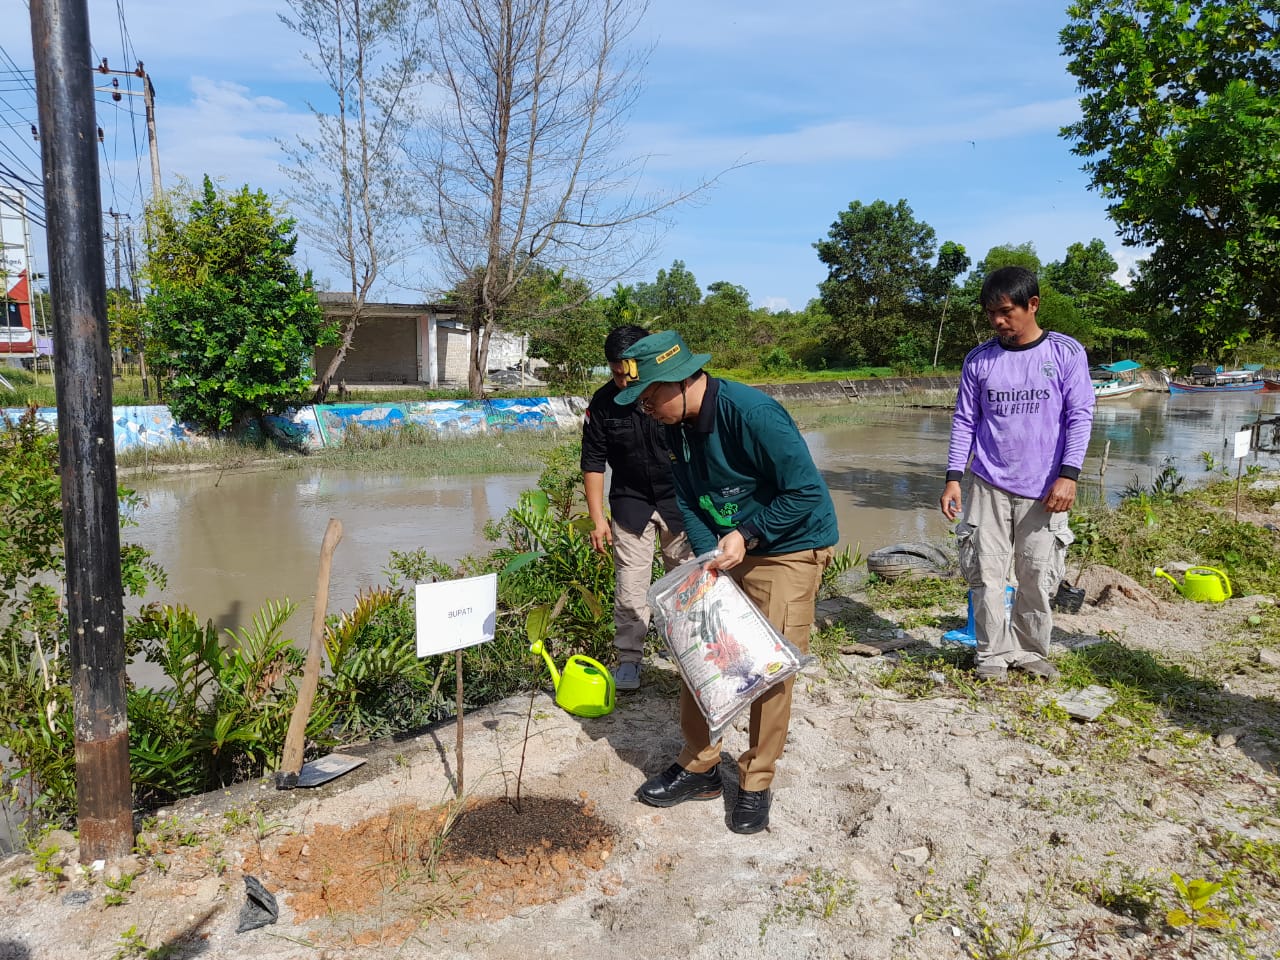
{"x":727,"y":652}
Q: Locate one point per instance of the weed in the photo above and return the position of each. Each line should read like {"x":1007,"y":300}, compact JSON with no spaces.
{"x":1260,"y":858}
{"x":46,"y":866}
{"x":1129,"y":895}
{"x":263,"y":828}
{"x":18,"y":881}
{"x":119,"y":888}
{"x":914,"y":676}
{"x":818,"y":894}
{"x":234,"y":819}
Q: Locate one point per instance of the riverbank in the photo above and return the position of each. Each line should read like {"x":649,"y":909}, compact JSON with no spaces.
{"x":918,"y":814}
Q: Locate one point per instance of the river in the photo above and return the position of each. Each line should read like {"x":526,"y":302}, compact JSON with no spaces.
{"x":232,"y":541}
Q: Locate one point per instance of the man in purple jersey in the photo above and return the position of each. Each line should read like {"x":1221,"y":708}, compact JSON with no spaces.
{"x":1023,"y":413}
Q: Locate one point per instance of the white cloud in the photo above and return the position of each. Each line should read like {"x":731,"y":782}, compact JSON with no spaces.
{"x":851,"y":139}
{"x":230,"y":133}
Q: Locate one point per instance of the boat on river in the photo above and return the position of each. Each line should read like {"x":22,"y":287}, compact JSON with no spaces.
{"x":1270,"y":385}
{"x":1206,"y":379}
{"x":1111,"y":380}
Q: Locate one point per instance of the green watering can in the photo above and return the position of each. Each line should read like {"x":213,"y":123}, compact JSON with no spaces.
{"x":585,"y":688}
{"x":1205,"y":584}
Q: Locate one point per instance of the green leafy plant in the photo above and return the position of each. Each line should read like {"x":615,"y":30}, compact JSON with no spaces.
{"x":120,"y":889}
{"x":36,"y":715}
{"x":819,"y":894}
{"x":1193,"y":911}
{"x":234,"y":321}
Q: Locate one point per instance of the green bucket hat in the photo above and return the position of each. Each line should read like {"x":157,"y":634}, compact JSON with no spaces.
{"x":658,"y":358}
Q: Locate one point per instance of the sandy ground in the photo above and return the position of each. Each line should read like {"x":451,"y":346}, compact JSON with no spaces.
{"x":930,"y":827}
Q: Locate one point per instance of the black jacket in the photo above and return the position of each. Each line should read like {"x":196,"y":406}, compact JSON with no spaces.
{"x":634,"y":445}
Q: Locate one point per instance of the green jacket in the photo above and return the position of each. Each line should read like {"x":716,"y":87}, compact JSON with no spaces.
{"x":742,"y":464}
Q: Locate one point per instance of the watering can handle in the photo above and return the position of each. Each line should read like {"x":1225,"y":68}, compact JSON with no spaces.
{"x":1226,"y":584}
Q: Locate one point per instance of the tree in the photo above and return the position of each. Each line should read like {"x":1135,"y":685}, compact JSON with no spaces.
{"x":1086,"y":275}
{"x":672,"y":300}
{"x":521,"y":162}
{"x":350,"y":178}
{"x":878,"y":261}
{"x":1057,"y":311}
{"x":1181,"y":131}
{"x":952,"y":261}
{"x":722,"y":320}
{"x":236,"y":323}
{"x":566,"y":327}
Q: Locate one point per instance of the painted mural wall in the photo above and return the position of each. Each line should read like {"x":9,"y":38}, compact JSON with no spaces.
{"x":324,"y":425}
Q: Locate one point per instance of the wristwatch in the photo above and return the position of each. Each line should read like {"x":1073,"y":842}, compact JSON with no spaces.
{"x":750,"y":542}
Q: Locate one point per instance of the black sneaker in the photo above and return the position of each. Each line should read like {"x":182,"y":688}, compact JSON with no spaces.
{"x":676,"y":785}
{"x":750,"y":812}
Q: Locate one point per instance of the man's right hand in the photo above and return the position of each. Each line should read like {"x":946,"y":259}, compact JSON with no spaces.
{"x":950,"y":500}
{"x":601,"y":537}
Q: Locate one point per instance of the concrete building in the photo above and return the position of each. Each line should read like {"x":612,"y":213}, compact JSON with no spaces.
{"x":421,"y":343}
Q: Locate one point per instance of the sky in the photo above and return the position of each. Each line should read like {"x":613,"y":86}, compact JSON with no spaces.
{"x":803,"y":109}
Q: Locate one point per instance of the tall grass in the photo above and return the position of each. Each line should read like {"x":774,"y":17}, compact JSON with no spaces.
{"x":31,"y":389}
{"x":417,"y":451}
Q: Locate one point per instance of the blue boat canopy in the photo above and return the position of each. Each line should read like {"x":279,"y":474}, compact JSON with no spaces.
{"x":1251,"y":367}
{"x":1120,"y":366}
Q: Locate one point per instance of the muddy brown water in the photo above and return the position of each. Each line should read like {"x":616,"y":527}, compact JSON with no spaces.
{"x":231,"y":542}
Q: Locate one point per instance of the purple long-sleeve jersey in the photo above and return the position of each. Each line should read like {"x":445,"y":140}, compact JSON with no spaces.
{"x":1025,"y":414}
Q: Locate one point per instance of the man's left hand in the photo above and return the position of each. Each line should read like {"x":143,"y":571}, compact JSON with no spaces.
{"x":1060,"y":496}
{"x":733,"y":550}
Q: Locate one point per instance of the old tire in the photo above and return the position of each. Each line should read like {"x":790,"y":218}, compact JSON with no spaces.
{"x":909,"y":560}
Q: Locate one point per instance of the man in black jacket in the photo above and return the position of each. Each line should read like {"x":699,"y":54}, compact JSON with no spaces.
{"x":642,"y":500}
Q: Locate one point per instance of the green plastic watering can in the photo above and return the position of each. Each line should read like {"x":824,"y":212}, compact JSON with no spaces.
{"x":1205,"y":584}
{"x":584,"y":688}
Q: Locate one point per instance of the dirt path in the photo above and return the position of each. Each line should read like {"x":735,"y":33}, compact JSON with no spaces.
{"x":916,"y":816}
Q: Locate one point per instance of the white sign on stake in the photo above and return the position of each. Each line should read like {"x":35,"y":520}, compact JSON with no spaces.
{"x":1242,"y":443}
{"x":453,"y":614}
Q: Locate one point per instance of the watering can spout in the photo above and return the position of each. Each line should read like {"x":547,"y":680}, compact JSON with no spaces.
{"x":538,"y":647}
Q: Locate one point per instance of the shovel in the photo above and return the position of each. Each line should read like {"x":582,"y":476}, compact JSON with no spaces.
{"x":291,"y":773}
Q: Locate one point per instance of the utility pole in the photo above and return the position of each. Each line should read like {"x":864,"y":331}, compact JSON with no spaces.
{"x":137,"y":299}
{"x":117,"y":352}
{"x":86,"y":448}
{"x":148,"y":95}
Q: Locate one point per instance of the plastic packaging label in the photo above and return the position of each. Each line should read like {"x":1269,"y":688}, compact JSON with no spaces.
{"x":727,"y":652}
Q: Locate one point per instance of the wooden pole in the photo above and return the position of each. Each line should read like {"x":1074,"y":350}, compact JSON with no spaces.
{"x":295,"y":740}
{"x":86,"y":437}
{"x":1239,"y":470}
{"x":1102,"y":471}
{"x":458,"y":670}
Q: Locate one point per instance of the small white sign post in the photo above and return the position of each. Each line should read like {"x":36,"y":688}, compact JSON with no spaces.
{"x":1243,"y":440}
{"x":453,"y":615}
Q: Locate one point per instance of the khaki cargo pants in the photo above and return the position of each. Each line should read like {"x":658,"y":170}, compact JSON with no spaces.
{"x":997,"y":530}
{"x":784,"y":587}
{"x":633,"y":572}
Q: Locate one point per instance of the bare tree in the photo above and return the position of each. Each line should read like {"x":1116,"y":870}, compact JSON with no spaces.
{"x":522,"y":157}
{"x":349,"y":179}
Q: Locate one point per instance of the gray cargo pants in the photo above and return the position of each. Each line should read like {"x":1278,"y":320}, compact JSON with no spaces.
{"x":999,"y":529}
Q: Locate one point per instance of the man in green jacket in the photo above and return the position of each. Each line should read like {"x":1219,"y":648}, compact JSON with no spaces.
{"x":747,"y":485}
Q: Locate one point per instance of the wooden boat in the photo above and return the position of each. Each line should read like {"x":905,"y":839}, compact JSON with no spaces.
{"x":1206,"y":379}
{"x":1110,"y":389}
{"x":1113,"y":380}
{"x":1240,"y":386}
{"x":1270,"y":386}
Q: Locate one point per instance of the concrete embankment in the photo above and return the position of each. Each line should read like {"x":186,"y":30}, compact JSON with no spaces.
{"x":842,"y":391}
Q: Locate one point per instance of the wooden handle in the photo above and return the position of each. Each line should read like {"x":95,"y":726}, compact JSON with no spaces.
{"x":296,"y":739}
